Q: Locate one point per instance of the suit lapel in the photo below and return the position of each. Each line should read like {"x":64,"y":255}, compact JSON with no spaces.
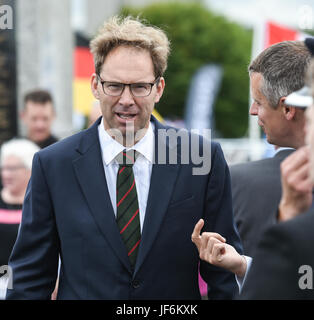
{"x":161,"y":188}
{"x":91,"y":177}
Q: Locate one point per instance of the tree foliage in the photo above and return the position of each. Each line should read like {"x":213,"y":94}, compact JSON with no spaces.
{"x":199,"y":37}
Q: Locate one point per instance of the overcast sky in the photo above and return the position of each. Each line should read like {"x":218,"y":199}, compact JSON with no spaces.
{"x":293,"y":13}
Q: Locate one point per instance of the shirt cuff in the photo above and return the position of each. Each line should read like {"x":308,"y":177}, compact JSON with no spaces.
{"x":241,"y":280}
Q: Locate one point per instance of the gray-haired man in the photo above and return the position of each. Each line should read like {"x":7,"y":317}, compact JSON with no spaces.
{"x":256,"y":188}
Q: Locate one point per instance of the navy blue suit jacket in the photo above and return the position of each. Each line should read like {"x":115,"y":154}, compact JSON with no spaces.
{"x":68,"y":212}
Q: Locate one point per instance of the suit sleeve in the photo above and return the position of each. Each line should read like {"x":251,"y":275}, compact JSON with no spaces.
{"x":34,"y":259}
{"x":273,"y":273}
{"x":218,"y":217}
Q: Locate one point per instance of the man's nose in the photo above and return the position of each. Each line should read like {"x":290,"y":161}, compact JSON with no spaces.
{"x":41,"y":124}
{"x":253,"y":109}
{"x":126,"y":97}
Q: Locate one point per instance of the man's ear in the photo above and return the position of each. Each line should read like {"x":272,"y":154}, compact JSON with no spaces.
{"x":160,"y":89}
{"x":288,"y":111}
{"x":94,"y":85}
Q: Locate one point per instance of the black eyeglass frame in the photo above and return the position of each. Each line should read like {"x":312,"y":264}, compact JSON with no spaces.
{"x":130,"y":86}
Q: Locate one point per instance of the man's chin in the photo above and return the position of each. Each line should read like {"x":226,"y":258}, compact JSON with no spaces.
{"x":270,"y":141}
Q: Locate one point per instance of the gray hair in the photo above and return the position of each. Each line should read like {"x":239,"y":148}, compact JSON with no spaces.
{"x":21,"y":148}
{"x":283,"y":67}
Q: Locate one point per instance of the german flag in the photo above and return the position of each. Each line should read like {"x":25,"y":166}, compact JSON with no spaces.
{"x":83,"y":69}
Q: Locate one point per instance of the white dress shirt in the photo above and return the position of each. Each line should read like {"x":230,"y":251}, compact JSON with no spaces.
{"x":142,"y":168}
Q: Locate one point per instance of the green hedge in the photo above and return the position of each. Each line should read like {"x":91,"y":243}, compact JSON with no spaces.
{"x":200,"y":37}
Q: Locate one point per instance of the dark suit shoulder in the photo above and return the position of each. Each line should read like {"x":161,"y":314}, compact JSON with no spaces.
{"x":276,"y":159}
{"x":298,"y":230}
{"x":252,"y":165}
{"x":263,"y":170}
{"x":262,"y":163}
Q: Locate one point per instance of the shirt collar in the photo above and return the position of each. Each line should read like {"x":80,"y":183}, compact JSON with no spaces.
{"x":282,"y":148}
{"x":110,"y":148}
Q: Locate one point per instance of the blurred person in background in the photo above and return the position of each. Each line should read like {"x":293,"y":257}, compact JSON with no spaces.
{"x":16,"y":162}
{"x":38,"y":115}
{"x":256,"y":187}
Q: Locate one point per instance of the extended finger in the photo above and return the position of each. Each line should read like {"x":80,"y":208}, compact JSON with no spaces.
{"x":197,"y":231}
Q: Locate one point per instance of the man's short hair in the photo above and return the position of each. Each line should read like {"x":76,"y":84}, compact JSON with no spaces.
{"x":129,"y":31}
{"x":283,"y":67}
{"x":39,"y":96}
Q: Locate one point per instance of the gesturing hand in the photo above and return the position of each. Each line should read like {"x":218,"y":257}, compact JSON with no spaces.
{"x":212,"y":247}
{"x":197,"y":238}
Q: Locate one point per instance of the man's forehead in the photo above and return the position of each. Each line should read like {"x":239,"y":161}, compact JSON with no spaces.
{"x":128,"y":61}
{"x":36,"y":106}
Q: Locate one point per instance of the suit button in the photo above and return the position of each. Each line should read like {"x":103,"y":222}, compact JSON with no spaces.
{"x":135,"y":284}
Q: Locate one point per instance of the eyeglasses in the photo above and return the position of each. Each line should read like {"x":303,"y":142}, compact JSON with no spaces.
{"x":115,"y":89}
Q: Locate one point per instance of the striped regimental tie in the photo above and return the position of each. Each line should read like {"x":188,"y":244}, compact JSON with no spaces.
{"x":128,"y":219}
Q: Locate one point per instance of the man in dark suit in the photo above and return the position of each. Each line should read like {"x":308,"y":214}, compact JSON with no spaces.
{"x":283,"y":264}
{"x":256,"y":188}
{"x":122,"y":228}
